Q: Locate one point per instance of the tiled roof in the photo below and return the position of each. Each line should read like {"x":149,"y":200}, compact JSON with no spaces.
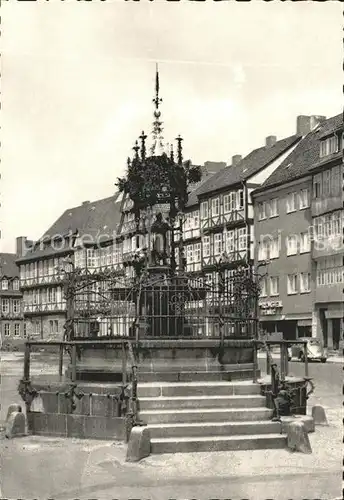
{"x":8,"y":267}
{"x":248,"y":166}
{"x":194,"y":190}
{"x":96,"y":219}
{"x":90,"y":218}
{"x":304,"y":156}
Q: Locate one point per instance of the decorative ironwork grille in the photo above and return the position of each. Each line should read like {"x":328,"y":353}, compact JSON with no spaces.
{"x":180,"y":306}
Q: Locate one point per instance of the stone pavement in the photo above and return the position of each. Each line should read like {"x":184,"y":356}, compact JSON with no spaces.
{"x":42,"y":468}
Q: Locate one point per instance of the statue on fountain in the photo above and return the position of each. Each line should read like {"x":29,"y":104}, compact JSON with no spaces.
{"x":159,"y":230}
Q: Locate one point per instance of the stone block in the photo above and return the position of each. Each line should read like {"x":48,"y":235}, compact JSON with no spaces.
{"x":15,"y":425}
{"x":319,"y":415}
{"x":12,"y":408}
{"x":56,"y":424}
{"x":75,"y":426}
{"x":139,"y":445}
{"x":104,"y":427}
{"x":37,"y":422}
{"x":306,"y":419}
{"x":297,"y":437}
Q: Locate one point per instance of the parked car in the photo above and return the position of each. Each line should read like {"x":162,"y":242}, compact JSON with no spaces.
{"x":315,"y":350}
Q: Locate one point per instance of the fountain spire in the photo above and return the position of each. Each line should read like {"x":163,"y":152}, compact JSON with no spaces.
{"x":157,"y":145}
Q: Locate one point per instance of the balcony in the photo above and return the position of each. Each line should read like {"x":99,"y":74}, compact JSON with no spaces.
{"x":329,"y":293}
{"x":326,"y":204}
{"x":327,"y":246}
{"x":11,"y":315}
{"x":44,"y":308}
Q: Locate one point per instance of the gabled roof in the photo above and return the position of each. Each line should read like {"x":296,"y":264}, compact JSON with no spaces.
{"x":8,"y":267}
{"x":253,"y":163}
{"x":302,"y":159}
{"x":90,"y":218}
{"x":98,"y":220}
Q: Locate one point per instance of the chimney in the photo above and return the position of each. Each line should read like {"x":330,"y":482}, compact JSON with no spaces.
{"x":305,"y":124}
{"x":87,"y":202}
{"x":22,"y":246}
{"x":270,"y":141}
{"x":236,"y":159}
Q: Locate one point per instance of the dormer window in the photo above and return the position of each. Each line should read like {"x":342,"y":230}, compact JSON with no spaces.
{"x":328,"y":146}
{"x":4,"y":284}
{"x":16,"y":284}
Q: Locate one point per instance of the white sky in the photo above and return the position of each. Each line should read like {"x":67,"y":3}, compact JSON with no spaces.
{"x":78,"y":81}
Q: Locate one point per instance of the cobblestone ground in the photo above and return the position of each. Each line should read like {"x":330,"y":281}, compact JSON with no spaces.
{"x":63,"y":469}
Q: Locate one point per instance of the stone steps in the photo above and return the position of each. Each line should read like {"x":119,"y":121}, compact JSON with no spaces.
{"x":157,"y":416}
{"x":195,"y":429}
{"x":201,"y":402}
{"x":199,"y":375}
{"x":207,"y":415}
{"x":217,"y":443}
{"x":220,"y":388}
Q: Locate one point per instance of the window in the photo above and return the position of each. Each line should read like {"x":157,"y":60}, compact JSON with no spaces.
{"x":242,"y":239}
{"x":16,"y":329}
{"x":16,"y":284}
{"x":329,"y":146}
{"x":16,"y":306}
{"x":273,"y":207}
{"x":305,"y":244}
{"x":229,"y":241}
{"x":305,"y":282}
{"x":336,"y":182}
{"x":52,"y":295}
{"x":263,"y":250}
{"x":304,"y":198}
{"x":274,"y":249}
{"x":6,"y":329}
{"x":226,"y":203}
{"x":91,"y":258}
{"x":317,"y":186}
{"x":206,"y":246}
{"x":189,"y":254}
{"x":215,"y":207}
{"x":204,"y":210}
{"x":197,"y":252}
{"x":24,"y":330}
{"x":336,"y":223}
{"x":196,"y":219}
{"x":5,"y":306}
{"x":51,"y":326}
{"x":326,"y":182}
{"x":274,"y":285}
{"x":262,"y":211}
{"x":4,"y":284}
{"x":292,"y":284}
{"x":263,"y":287}
{"x":292,"y":245}
{"x":291,"y":202}
{"x":240,"y":199}
{"x":232,"y":201}
{"x":218,"y":244}
{"x":330,"y":271}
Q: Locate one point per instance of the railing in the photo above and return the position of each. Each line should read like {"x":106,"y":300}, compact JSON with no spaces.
{"x":281,"y":391}
{"x":128,"y":398}
{"x":284,"y":363}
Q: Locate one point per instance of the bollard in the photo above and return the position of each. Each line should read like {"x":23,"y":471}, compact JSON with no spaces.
{"x":139,"y":444}
{"x":319,"y":415}
{"x":297,"y":437}
{"x":15,"y":425}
